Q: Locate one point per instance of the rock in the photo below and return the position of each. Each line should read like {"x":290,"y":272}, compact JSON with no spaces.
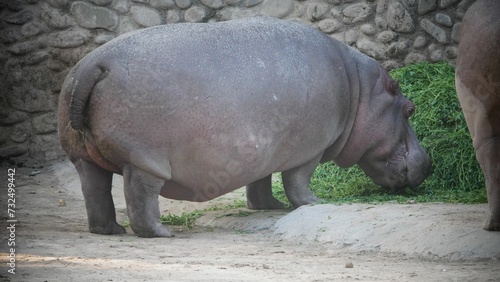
{"x":351,"y":36}
{"x":399,"y":19}
{"x":10,"y":35}
{"x":31,"y":100}
{"x":420,"y":42}
{"x":45,"y":123}
{"x":162,"y":4}
{"x":368,"y":29}
{"x":36,"y":58}
{"x":317,"y":11}
{"x":213,"y":4}
{"x":443,"y":19}
{"x":43,"y":146}
{"x":399,"y":48}
{"x":195,"y":14}
{"x":436,"y":55}
{"x":127,"y":25}
{"x":414,"y":58}
{"x":145,"y":16}
{"x":57,"y":3}
{"x":172,"y":16}
{"x":20,"y":133}
{"x":455,"y":32}
{"x":445,"y":3}
{"x":69,"y":38}
{"x":10,"y":117}
{"x":103,"y":38}
{"x":329,"y":25}
{"x":425,"y":6}
{"x":22,"y":48}
{"x":57,"y":19}
{"x":451,"y":52}
{"x":31,"y":29}
{"x":277,"y":8}
{"x":20,"y":18}
{"x":101,"y":2}
{"x":183,"y":4}
{"x":357,"y":13}
{"x":13,"y":151}
{"x":381,"y":6}
{"x":251,"y":3}
{"x":381,"y":23}
{"x":435,"y":31}
{"x":90,"y":16}
{"x":349,"y":265}
{"x":387,"y":36}
{"x":391,"y":64}
{"x":372,"y":49}
{"x":121,"y":6}
{"x":232,"y":2}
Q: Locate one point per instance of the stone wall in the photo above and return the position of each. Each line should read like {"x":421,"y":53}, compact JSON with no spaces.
{"x":40,"y":40}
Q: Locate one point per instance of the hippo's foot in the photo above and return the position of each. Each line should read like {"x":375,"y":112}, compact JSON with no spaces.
{"x":112,"y":228}
{"x":141,"y":195}
{"x":490,"y":224}
{"x":260,"y":195}
{"x":296,"y":182}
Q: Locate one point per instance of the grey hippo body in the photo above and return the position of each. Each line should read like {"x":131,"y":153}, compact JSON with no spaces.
{"x":477,"y":80}
{"x":193,"y":111}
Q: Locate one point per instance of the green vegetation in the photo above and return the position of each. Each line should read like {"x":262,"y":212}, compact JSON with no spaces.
{"x":186,"y":219}
{"x":442,"y":131}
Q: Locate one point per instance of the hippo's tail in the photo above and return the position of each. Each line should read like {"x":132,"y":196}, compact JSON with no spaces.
{"x":84,"y":78}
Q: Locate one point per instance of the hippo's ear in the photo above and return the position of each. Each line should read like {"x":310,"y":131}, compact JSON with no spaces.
{"x":393,"y":86}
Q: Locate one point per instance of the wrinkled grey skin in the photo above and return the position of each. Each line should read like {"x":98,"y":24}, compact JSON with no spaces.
{"x":194,"y":111}
{"x":477,"y":79}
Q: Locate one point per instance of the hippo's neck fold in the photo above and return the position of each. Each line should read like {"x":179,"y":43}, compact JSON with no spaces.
{"x":351,"y":66}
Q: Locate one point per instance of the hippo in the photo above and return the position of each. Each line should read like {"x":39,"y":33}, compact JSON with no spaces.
{"x":191,"y":111}
{"x":477,"y":80}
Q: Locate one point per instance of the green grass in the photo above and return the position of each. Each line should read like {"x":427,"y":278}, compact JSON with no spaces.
{"x":186,"y":219}
{"x":442,"y":131}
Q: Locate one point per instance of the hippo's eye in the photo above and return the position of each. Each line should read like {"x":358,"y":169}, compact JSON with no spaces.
{"x":409,"y":111}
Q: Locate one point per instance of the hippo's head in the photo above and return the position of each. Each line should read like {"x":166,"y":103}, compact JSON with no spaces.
{"x":381,"y":140}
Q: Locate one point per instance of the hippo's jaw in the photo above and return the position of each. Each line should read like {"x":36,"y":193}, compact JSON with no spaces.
{"x":407,"y":166}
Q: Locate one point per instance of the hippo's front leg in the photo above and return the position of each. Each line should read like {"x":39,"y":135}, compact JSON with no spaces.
{"x":260,"y":195}
{"x":96,"y":188}
{"x":296,"y":182}
{"x":141,"y":194}
{"x":488,"y":156}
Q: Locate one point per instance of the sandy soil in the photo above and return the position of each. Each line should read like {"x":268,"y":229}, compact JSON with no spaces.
{"x":423,"y":242}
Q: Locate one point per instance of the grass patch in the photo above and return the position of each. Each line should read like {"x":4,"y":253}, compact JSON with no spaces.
{"x":441,"y":129}
{"x":186,"y":219}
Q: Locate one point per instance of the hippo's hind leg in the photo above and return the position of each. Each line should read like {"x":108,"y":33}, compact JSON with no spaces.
{"x":141,"y":194}
{"x":260,"y":195}
{"x":296,"y":182}
{"x":96,"y":188}
{"x":488,"y":156}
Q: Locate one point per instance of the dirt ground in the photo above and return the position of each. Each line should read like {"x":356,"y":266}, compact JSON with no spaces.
{"x":390,"y":242}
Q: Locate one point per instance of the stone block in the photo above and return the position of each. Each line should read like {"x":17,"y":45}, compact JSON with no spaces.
{"x":162,"y":4}
{"x":31,"y":100}
{"x":368,"y":29}
{"x":251,"y":3}
{"x":357,"y":13}
{"x":22,"y":48}
{"x":414,"y":58}
{"x":57,"y":19}
{"x":20,"y":18}
{"x":387,"y":36}
{"x":435,"y":31}
{"x":57,"y":3}
{"x":20,"y":133}
{"x":317,"y":11}
{"x":277,"y":8}
{"x":101,"y":2}
{"x":455,"y":32}
{"x":426,"y":6}
{"x":90,"y":16}
{"x":145,"y":16}
{"x":446,"y":3}
{"x":195,"y":14}
{"x":121,"y":6}
{"x":213,"y":4}
{"x":71,"y":38}
{"x":399,"y":19}
{"x":172,"y":16}
{"x":372,"y":49}
{"x":443,"y":19}
{"x":13,"y":151}
{"x":183,"y":4}
{"x":31,"y":29}
{"x":45,"y":123}
{"x":329,"y":25}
